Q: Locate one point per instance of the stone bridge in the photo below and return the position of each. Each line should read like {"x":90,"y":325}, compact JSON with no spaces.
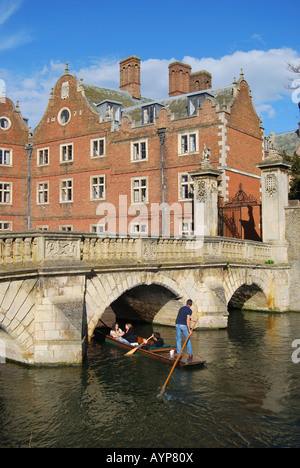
{"x":54,"y":287}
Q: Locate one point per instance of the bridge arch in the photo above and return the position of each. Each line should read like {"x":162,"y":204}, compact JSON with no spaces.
{"x":17,"y":299}
{"x":104,"y":290}
{"x":248,"y":289}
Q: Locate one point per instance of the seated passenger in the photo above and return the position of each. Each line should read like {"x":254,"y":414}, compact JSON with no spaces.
{"x":129,"y":336}
{"x":116,"y":331}
{"x":157,"y":343}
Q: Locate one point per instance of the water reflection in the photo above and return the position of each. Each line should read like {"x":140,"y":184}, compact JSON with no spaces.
{"x":247,"y":394}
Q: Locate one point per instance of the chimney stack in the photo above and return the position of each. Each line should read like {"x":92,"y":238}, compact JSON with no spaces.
{"x":130,"y":76}
{"x":200,"y":81}
{"x":179,"y":78}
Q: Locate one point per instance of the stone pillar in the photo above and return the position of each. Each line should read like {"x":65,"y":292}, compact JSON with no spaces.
{"x":205,"y":197}
{"x":275,"y":189}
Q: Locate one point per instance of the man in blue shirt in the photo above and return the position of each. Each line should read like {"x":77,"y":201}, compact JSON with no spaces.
{"x":183,"y":326}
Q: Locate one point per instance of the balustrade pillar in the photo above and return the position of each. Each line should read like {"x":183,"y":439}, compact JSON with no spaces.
{"x":205,"y":198}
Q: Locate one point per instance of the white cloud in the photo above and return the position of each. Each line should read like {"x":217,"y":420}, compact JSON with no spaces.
{"x":265,"y":71}
{"x":15,"y":40}
{"x":10,"y":40}
{"x":8,"y":8}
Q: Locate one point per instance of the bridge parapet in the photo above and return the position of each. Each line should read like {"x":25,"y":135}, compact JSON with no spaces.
{"x":40,"y":248}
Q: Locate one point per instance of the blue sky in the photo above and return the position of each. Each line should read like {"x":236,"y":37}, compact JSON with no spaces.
{"x":38,"y":38}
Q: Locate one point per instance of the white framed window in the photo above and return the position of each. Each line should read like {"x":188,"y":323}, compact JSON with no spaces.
{"x":6,"y":193}
{"x":188,"y":143}
{"x":5,"y":157}
{"x":139,"y":189}
{"x":187,"y":228}
{"x":66,"y":191}
{"x":139,"y":150}
{"x":42,"y":193}
{"x":98,"y":228}
{"x":5,"y":225}
{"x":185,"y":186}
{"x":5,"y":123}
{"x":66,"y":153}
{"x":97,"y":147}
{"x":139,"y":228}
{"x":43,"y":156}
{"x":64,"y":116}
{"x":66,"y":227}
{"x":97,"y":187}
{"x":42,"y":227}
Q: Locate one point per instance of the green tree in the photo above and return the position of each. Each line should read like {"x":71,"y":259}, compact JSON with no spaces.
{"x":295,"y":179}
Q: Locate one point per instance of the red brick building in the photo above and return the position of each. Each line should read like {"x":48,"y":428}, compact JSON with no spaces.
{"x":103,"y":159}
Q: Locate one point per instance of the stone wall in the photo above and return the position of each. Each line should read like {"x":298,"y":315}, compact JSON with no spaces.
{"x":292,"y":236}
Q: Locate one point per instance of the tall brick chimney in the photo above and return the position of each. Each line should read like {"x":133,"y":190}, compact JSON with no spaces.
{"x":130,"y":76}
{"x":179,"y":78}
{"x":200,"y":80}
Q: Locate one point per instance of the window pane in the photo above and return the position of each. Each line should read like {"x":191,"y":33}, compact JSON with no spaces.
{"x":192,"y":143}
{"x":184,"y":144}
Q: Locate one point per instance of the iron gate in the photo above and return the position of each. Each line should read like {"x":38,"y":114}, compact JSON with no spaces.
{"x":241,"y":217}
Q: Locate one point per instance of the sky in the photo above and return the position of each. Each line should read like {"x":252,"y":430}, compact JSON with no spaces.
{"x":261,"y":37}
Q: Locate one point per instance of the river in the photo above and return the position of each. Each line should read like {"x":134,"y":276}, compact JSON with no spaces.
{"x":246,"y":395}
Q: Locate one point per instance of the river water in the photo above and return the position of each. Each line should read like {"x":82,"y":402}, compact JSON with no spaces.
{"x":246,"y":395}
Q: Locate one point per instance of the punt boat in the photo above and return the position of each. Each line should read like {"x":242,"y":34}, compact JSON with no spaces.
{"x":160,"y":354}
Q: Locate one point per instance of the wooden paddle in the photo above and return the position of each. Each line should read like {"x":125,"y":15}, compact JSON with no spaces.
{"x":134,"y":349}
{"x":173,"y":367}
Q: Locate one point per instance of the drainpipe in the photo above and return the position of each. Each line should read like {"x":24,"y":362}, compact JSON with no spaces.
{"x":29,"y":149}
{"x":162,"y":133}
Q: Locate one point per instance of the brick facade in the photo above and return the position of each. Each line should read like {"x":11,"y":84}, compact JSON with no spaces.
{"x":94,"y":145}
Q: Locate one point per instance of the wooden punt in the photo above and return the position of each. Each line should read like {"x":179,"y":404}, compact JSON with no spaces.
{"x":160,"y":354}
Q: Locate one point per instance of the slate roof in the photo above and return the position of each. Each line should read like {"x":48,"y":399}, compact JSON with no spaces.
{"x":131,"y":107}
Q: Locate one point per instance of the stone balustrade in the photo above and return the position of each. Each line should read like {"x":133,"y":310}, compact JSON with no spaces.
{"x":45,"y":247}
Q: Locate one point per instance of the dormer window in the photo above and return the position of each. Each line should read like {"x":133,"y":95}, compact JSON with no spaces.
{"x":149,"y":113}
{"x":195,"y":101}
{"x":110,"y":110}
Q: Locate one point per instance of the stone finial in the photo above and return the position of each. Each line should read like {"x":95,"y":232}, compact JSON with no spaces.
{"x":67,"y":67}
{"x":4,"y":91}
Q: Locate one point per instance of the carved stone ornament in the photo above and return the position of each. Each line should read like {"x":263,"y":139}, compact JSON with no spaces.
{"x":149,"y":249}
{"x":205,"y":156}
{"x":201,"y":191}
{"x":65,"y":90}
{"x":61,"y":249}
{"x":271,"y":184}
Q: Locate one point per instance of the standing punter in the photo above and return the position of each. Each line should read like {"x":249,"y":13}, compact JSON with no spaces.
{"x":183,"y":325}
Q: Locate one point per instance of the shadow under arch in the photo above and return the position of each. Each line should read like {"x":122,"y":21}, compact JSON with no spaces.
{"x":145,"y":301}
{"x":249,"y":297}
